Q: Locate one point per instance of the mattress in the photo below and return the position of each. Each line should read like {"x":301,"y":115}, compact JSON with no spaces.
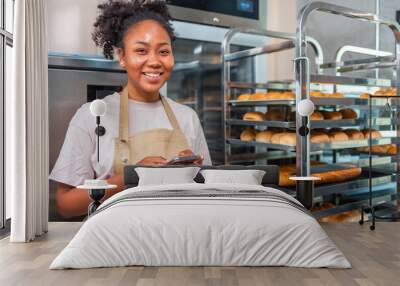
{"x":201,"y":225}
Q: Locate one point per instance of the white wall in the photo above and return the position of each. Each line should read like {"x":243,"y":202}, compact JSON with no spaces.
{"x":70,"y":23}
{"x":281,"y":18}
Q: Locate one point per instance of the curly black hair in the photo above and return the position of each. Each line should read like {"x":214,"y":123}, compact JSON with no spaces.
{"x":118,"y":16}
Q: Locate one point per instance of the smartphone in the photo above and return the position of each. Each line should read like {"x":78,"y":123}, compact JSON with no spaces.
{"x":183,"y":160}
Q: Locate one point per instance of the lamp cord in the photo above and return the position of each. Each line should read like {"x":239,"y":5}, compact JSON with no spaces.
{"x":98,"y":138}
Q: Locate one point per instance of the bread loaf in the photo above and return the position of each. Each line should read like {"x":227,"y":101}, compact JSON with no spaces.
{"x":316,"y":115}
{"x":275,"y":115}
{"x":348,"y":113}
{"x":354,"y":134}
{"x":285,"y":138}
{"x":318,"y":137}
{"x":275,"y":138}
{"x":244,"y":96}
{"x":289,"y":138}
{"x":264,"y":136}
{"x":331,"y":115}
{"x":338,"y":136}
{"x":374,"y":133}
{"x":392,"y":150}
{"x":248,"y":135}
{"x":254,"y":116}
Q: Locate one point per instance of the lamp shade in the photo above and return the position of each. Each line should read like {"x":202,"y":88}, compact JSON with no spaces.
{"x":305,"y":107}
{"x":98,"y":107}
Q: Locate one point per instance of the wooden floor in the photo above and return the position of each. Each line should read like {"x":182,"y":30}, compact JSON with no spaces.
{"x":375,"y":257}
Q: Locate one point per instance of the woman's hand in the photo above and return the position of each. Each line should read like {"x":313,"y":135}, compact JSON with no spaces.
{"x":152,"y":161}
{"x":188,"y":152}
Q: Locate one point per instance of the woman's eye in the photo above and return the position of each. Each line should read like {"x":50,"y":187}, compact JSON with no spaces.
{"x":165,"y":52}
{"x":140,"y":51}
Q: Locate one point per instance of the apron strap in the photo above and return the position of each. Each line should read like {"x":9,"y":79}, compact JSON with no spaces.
{"x":124,"y":116}
{"x":124,"y":126}
{"x":170,"y":114}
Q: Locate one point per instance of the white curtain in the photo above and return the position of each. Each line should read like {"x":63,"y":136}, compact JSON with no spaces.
{"x":27,"y":122}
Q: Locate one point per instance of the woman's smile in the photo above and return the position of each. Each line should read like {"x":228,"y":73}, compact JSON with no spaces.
{"x":153,"y":76}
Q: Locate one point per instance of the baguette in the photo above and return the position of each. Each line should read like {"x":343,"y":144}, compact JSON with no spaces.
{"x":259,"y":96}
{"x":326,"y":177}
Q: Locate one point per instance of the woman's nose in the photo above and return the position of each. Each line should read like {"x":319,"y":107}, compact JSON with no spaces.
{"x":153,"y":60}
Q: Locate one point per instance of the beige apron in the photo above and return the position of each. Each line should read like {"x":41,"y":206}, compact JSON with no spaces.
{"x":155,"y":142}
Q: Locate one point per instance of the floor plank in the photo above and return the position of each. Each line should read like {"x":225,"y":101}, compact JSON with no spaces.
{"x":374,"y":255}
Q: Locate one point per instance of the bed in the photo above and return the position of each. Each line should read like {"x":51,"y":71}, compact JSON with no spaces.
{"x":198,"y":224}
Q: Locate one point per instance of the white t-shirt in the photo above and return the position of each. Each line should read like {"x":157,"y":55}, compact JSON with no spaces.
{"x":78,"y":156}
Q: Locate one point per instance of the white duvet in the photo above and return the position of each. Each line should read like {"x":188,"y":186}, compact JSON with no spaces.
{"x":207,"y":230}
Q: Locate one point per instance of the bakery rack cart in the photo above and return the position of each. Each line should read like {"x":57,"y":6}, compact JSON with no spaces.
{"x":303,"y":76}
{"x":347,"y":195}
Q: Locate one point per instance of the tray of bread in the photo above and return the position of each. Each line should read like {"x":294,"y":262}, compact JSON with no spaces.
{"x":329,"y":173}
{"x":281,"y":118}
{"x":320,"y":139}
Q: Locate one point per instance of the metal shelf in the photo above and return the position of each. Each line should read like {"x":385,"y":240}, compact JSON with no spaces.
{"x":316,"y":123}
{"x":279,"y":124}
{"x":267,"y":145}
{"x":358,"y":185}
{"x":261,"y":102}
{"x":350,"y":144}
{"x":318,"y":101}
{"x":270,"y":155}
{"x":361,"y":64}
{"x":317,"y":82}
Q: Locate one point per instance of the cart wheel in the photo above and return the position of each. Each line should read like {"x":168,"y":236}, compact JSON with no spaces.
{"x":372,"y":227}
{"x":361,"y":222}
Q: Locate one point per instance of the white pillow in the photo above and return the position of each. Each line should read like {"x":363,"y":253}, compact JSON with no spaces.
{"x":166,"y":176}
{"x":248,"y":177}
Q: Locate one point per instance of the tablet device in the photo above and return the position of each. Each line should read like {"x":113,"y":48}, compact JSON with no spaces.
{"x":183,"y":160}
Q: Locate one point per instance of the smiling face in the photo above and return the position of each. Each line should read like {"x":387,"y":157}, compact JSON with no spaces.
{"x":148,"y":59}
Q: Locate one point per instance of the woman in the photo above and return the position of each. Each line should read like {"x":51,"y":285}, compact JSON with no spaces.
{"x":142,"y":127}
